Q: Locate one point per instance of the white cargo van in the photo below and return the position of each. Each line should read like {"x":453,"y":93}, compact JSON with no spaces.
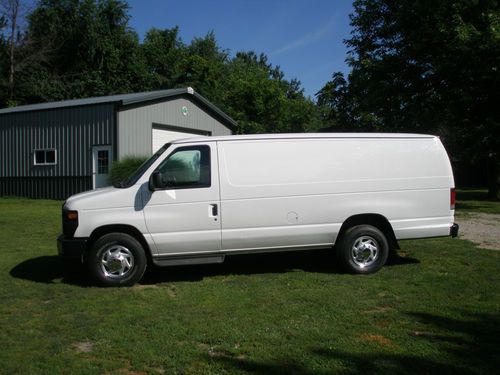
{"x":197,"y":200}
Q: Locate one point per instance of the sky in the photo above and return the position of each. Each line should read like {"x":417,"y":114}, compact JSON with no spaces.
{"x":304,"y":37}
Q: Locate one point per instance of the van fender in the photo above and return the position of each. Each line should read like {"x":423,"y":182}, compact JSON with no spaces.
{"x":120,"y":228}
{"x":376,"y":220}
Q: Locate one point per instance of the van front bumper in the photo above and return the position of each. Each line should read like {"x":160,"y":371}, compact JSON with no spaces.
{"x":71,"y":248}
{"x":454,"y":230}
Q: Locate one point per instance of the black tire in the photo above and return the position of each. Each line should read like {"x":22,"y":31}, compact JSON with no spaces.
{"x":362,"y":249}
{"x":125,"y":258}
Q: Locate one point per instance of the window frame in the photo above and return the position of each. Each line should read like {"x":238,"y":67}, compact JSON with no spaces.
{"x":189,"y":148}
{"x":108,"y":163}
{"x":45,"y":150}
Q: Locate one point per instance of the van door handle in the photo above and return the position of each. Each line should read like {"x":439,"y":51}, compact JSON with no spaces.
{"x":214,"y":211}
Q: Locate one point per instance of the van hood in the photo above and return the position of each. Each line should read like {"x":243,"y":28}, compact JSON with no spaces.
{"x":108,"y":197}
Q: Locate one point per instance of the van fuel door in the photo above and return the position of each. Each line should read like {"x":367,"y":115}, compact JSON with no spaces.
{"x":292,"y":217}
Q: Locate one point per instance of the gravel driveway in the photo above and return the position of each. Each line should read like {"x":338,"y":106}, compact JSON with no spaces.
{"x":482,"y":229}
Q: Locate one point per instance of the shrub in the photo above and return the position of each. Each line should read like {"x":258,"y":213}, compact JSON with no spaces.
{"x":124,"y":168}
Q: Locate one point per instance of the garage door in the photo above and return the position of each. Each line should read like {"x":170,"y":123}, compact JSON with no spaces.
{"x":164,"y":134}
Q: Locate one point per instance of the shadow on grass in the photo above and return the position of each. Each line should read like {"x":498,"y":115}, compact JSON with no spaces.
{"x":336,"y":361}
{"x":248,"y":264}
{"x":397,"y":260}
{"x":319,"y":261}
{"x":467,"y":345}
{"x":49,"y":269}
{"x":459,"y":206}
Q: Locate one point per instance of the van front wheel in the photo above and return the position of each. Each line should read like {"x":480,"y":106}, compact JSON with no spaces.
{"x":362,"y":249}
{"x":116,"y":259}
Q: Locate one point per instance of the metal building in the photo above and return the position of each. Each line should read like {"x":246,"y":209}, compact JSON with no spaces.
{"x":54,"y":150}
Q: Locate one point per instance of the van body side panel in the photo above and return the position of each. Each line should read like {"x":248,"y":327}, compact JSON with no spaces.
{"x":299,"y":192}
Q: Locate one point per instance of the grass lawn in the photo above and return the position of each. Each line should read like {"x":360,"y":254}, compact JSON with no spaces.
{"x":475,"y":200}
{"x":434,"y":309}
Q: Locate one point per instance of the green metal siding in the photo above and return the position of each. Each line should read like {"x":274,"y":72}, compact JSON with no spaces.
{"x":44,"y":187}
{"x":71,"y":131}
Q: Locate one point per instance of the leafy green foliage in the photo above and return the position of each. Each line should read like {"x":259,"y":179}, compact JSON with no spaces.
{"x":4,"y":64}
{"x":262,"y":101}
{"x":125,"y":167}
{"x":424,"y":66}
{"x":85,"y":48}
{"x":164,"y":53}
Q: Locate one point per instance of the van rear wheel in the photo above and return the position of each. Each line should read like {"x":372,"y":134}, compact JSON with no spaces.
{"x":116,"y":259}
{"x":362,"y":249}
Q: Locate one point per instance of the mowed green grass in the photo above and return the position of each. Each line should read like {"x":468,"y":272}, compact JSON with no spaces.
{"x":434,"y":309}
{"x":470,"y":201}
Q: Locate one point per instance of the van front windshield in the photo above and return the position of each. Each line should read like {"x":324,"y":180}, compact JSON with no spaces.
{"x":132,"y":179}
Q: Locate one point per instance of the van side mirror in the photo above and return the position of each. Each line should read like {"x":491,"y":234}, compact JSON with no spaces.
{"x":155,"y":181}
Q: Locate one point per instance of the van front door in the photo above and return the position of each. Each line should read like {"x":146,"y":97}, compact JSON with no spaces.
{"x":183,"y":215}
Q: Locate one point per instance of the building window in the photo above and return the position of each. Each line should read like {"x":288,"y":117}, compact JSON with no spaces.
{"x":45,"y":157}
{"x":102,"y":161}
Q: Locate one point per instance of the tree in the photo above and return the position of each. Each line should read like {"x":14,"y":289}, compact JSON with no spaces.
{"x":261,"y":100}
{"x":90,"y":51}
{"x":11,"y":10}
{"x":426,"y":66}
{"x":334,"y":104}
{"x":4,"y":62}
{"x":204,"y":67}
{"x":12,"y":14}
{"x":164,"y":53}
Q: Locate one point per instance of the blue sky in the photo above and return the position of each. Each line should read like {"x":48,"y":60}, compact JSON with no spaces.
{"x":303,"y":37}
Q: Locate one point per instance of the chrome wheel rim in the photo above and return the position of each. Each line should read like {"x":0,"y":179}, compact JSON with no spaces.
{"x":117,"y":261}
{"x":365,"y":251}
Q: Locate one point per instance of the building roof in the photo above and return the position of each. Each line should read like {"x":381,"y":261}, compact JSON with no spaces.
{"x":123,"y":100}
{"x":252,"y":137}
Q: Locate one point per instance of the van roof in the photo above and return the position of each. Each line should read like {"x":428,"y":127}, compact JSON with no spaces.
{"x":248,"y":137}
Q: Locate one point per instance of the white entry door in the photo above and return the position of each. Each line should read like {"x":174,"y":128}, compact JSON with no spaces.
{"x":102,"y":159}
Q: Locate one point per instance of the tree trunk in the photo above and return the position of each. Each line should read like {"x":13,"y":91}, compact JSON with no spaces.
{"x":493,"y":177}
{"x":13,"y":23}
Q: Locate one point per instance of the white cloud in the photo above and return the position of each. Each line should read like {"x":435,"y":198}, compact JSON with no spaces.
{"x":305,"y":39}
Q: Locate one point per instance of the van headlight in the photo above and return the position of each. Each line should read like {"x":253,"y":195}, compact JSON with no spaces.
{"x":69,"y":222}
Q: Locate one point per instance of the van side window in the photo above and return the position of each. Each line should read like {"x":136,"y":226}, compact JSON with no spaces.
{"x":187,"y":167}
